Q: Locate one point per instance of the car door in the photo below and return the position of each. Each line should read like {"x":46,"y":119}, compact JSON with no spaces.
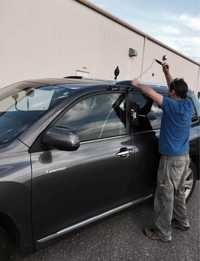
{"x":73,"y":186}
{"x":195,"y":132}
{"x":145,"y":131}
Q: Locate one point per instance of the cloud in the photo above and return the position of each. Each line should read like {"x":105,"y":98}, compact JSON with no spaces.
{"x":192,"y":40}
{"x":181,"y":32}
{"x":171,"y":30}
{"x":188,"y":45}
{"x":177,"y":29}
{"x":189,"y":21}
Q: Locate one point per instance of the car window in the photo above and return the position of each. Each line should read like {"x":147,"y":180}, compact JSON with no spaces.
{"x":26,"y":103}
{"x":147,"y":113}
{"x":195,"y":106}
{"x":197,"y":103}
{"x":96,"y":117}
{"x":194,"y":113}
{"x":156,"y":112}
{"x":139,"y":106}
{"x":38,"y":100}
{"x":155,"y":116}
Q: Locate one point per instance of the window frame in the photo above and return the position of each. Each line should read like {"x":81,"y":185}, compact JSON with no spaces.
{"x":79,"y":101}
{"x":37,"y":145}
{"x":156,"y":129}
{"x":88,"y":96}
{"x":132,"y":132}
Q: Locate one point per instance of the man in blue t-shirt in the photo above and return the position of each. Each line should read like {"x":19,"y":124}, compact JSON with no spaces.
{"x":169,"y":203}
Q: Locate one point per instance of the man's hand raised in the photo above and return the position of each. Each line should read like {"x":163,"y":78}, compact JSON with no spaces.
{"x":168,"y":76}
{"x":165,"y":67}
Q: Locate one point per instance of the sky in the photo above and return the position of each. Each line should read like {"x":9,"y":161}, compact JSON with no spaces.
{"x":175,"y":23}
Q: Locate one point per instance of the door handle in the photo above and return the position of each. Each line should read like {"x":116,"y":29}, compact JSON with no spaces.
{"x":124,"y":152}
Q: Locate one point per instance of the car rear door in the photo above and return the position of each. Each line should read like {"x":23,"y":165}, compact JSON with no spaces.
{"x":72,"y":186}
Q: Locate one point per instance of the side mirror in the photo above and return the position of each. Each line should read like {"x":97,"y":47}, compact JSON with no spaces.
{"x":61,"y":138}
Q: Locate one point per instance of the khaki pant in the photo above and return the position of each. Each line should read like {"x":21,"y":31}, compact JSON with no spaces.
{"x":169,"y":199}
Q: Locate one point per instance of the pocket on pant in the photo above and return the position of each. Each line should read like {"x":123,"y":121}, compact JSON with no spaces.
{"x":161,"y":174}
{"x":177,"y":172}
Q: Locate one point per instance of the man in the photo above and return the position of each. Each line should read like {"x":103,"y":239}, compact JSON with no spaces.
{"x":169,"y":202}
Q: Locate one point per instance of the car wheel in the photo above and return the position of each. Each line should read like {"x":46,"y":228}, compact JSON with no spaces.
{"x":190,"y":181}
{"x":5,"y":246}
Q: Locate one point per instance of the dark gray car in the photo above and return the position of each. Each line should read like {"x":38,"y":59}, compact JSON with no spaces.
{"x":74,"y":151}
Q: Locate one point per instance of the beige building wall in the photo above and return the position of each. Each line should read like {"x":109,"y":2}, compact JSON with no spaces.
{"x":56,"y":38}
{"x":179,"y":67}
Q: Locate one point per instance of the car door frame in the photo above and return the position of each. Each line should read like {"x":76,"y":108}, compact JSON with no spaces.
{"x":109,"y":91}
{"x":35,"y":147}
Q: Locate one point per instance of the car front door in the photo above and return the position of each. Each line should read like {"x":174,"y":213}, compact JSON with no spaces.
{"x":145,"y":131}
{"x":72,"y":186}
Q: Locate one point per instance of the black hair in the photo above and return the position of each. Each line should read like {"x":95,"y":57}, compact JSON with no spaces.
{"x":180,"y":87}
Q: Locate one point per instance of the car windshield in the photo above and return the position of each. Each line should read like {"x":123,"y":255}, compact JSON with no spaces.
{"x":24,"y":103}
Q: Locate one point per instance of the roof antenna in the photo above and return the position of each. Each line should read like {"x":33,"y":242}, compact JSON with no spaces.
{"x":116,"y":72}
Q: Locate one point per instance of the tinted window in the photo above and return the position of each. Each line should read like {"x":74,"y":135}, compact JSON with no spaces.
{"x":136,"y":97}
{"x":35,"y":100}
{"x":148,"y":114}
{"x":139,"y":106}
{"x":155,"y":116}
{"x":21,"y":106}
{"x":95,"y":117}
{"x":194,"y":110}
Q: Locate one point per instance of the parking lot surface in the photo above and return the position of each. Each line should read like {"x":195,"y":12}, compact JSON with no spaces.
{"x":119,"y":238}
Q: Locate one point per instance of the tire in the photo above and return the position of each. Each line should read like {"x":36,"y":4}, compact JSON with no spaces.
{"x":5,"y":246}
{"x":190,"y":182}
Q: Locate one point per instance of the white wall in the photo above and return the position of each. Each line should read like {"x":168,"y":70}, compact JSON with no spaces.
{"x":55,"y":38}
{"x":179,"y":67}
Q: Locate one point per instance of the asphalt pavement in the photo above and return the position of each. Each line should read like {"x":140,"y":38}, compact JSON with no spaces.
{"x":119,"y":238}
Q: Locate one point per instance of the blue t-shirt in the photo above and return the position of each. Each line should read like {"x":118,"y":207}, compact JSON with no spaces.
{"x":175,"y":126}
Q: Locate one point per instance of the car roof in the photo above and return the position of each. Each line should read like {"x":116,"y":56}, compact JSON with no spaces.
{"x":70,"y":83}
{"x":77,"y":82}
{"x":157,"y":87}
{"x":68,"y":80}
{"x":86,"y":82}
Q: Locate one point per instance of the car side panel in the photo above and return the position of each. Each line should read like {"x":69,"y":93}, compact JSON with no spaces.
{"x":69,"y":187}
{"x":15,"y":194}
{"x":195,"y":147}
{"x":147,"y":158}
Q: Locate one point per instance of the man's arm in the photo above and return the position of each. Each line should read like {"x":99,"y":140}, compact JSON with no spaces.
{"x":148,"y":91}
{"x":168,"y":76}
